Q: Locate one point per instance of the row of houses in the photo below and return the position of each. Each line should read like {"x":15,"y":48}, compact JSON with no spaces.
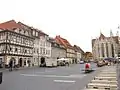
{"x":31,"y":46}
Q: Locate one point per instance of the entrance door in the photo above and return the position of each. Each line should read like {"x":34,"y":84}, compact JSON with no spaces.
{"x":20,"y":62}
{"x":43,"y":61}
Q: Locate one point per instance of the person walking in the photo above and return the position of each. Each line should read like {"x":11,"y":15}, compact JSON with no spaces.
{"x":10,"y":65}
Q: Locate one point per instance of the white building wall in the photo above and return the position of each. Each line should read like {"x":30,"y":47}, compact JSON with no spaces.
{"x":98,"y":54}
{"x":44,"y":48}
{"x":35,"y":59}
{"x":105,"y":53}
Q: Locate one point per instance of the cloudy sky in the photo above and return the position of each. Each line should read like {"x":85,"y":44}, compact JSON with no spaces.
{"x":76,"y":20}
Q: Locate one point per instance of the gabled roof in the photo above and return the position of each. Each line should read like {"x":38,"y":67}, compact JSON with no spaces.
{"x":78,"y":49}
{"x":29,"y":27}
{"x":10,"y":25}
{"x":24,"y":25}
{"x":102,"y":36}
{"x":63,"y":41}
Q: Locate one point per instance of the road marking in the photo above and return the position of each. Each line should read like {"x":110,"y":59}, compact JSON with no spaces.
{"x":44,"y":72}
{"x":70,"y":76}
{"x":39,"y":72}
{"x":66,"y":81}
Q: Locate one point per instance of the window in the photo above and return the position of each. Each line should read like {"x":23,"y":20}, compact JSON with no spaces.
{"x":43,"y":50}
{"x":103,"y":50}
{"x":33,"y":33}
{"x":25,"y":51}
{"x":36,"y":33}
{"x":107,"y":50}
{"x":10,"y":49}
{"x":16,"y":49}
{"x":19,"y":31}
{"x":34,"y":50}
{"x":112,"y":49}
{"x":14,"y":38}
{"x":40,"y":50}
{"x":37,"y":50}
{"x":48,"y":52}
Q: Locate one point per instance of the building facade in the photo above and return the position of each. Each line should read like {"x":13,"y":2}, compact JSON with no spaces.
{"x":70,"y":52}
{"x":105,"y":47}
{"x":58,"y":51}
{"x":42,"y":45}
{"x":78,"y":53}
{"x":45,"y":48}
{"x":16,"y":43}
{"x":17,"y":46}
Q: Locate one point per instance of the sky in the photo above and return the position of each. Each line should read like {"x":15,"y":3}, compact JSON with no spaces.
{"x":78,"y":21}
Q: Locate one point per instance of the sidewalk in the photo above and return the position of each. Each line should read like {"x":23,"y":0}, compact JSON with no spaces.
{"x":21,"y":68}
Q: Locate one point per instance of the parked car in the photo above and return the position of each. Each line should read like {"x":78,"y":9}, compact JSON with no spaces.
{"x":63,"y":62}
{"x":1,"y":77}
{"x":81,"y":62}
{"x":100,"y":63}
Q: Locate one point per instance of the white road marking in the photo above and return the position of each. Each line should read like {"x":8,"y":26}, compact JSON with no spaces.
{"x":66,"y":81}
{"x":39,"y":72}
{"x":44,"y":72}
{"x":70,"y":76}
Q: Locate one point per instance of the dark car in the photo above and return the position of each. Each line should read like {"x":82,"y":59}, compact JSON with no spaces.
{"x":100,"y":63}
{"x":1,"y":77}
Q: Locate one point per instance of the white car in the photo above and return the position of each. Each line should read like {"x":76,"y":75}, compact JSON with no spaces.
{"x":81,"y":62}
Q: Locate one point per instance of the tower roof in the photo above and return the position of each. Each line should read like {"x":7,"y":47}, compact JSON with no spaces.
{"x":102,"y":36}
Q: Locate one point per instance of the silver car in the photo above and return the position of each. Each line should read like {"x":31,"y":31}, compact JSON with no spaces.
{"x":81,"y":62}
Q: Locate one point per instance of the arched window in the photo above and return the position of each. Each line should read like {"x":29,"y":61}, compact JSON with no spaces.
{"x":102,"y":47}
{"x":107,"y":50}
{"x":112,"y":49}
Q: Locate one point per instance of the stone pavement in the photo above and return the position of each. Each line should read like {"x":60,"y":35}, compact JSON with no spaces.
{"x":105,"y":79}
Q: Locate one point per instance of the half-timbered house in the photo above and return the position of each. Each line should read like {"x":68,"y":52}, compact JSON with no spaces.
{"x":15,"y":42}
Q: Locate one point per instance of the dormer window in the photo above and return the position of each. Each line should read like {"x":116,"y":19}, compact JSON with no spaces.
{"x":14,"y":28}
{"x":19,"y":31}
{"x":24,"y":32}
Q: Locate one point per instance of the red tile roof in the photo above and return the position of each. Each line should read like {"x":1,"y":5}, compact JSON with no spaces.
{"x":10,"y":25}
{"x":63,"y":41}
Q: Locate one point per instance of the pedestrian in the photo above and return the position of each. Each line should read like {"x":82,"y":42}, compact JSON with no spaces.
{"x":87,"y":66}
{"x":10,"y":65}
